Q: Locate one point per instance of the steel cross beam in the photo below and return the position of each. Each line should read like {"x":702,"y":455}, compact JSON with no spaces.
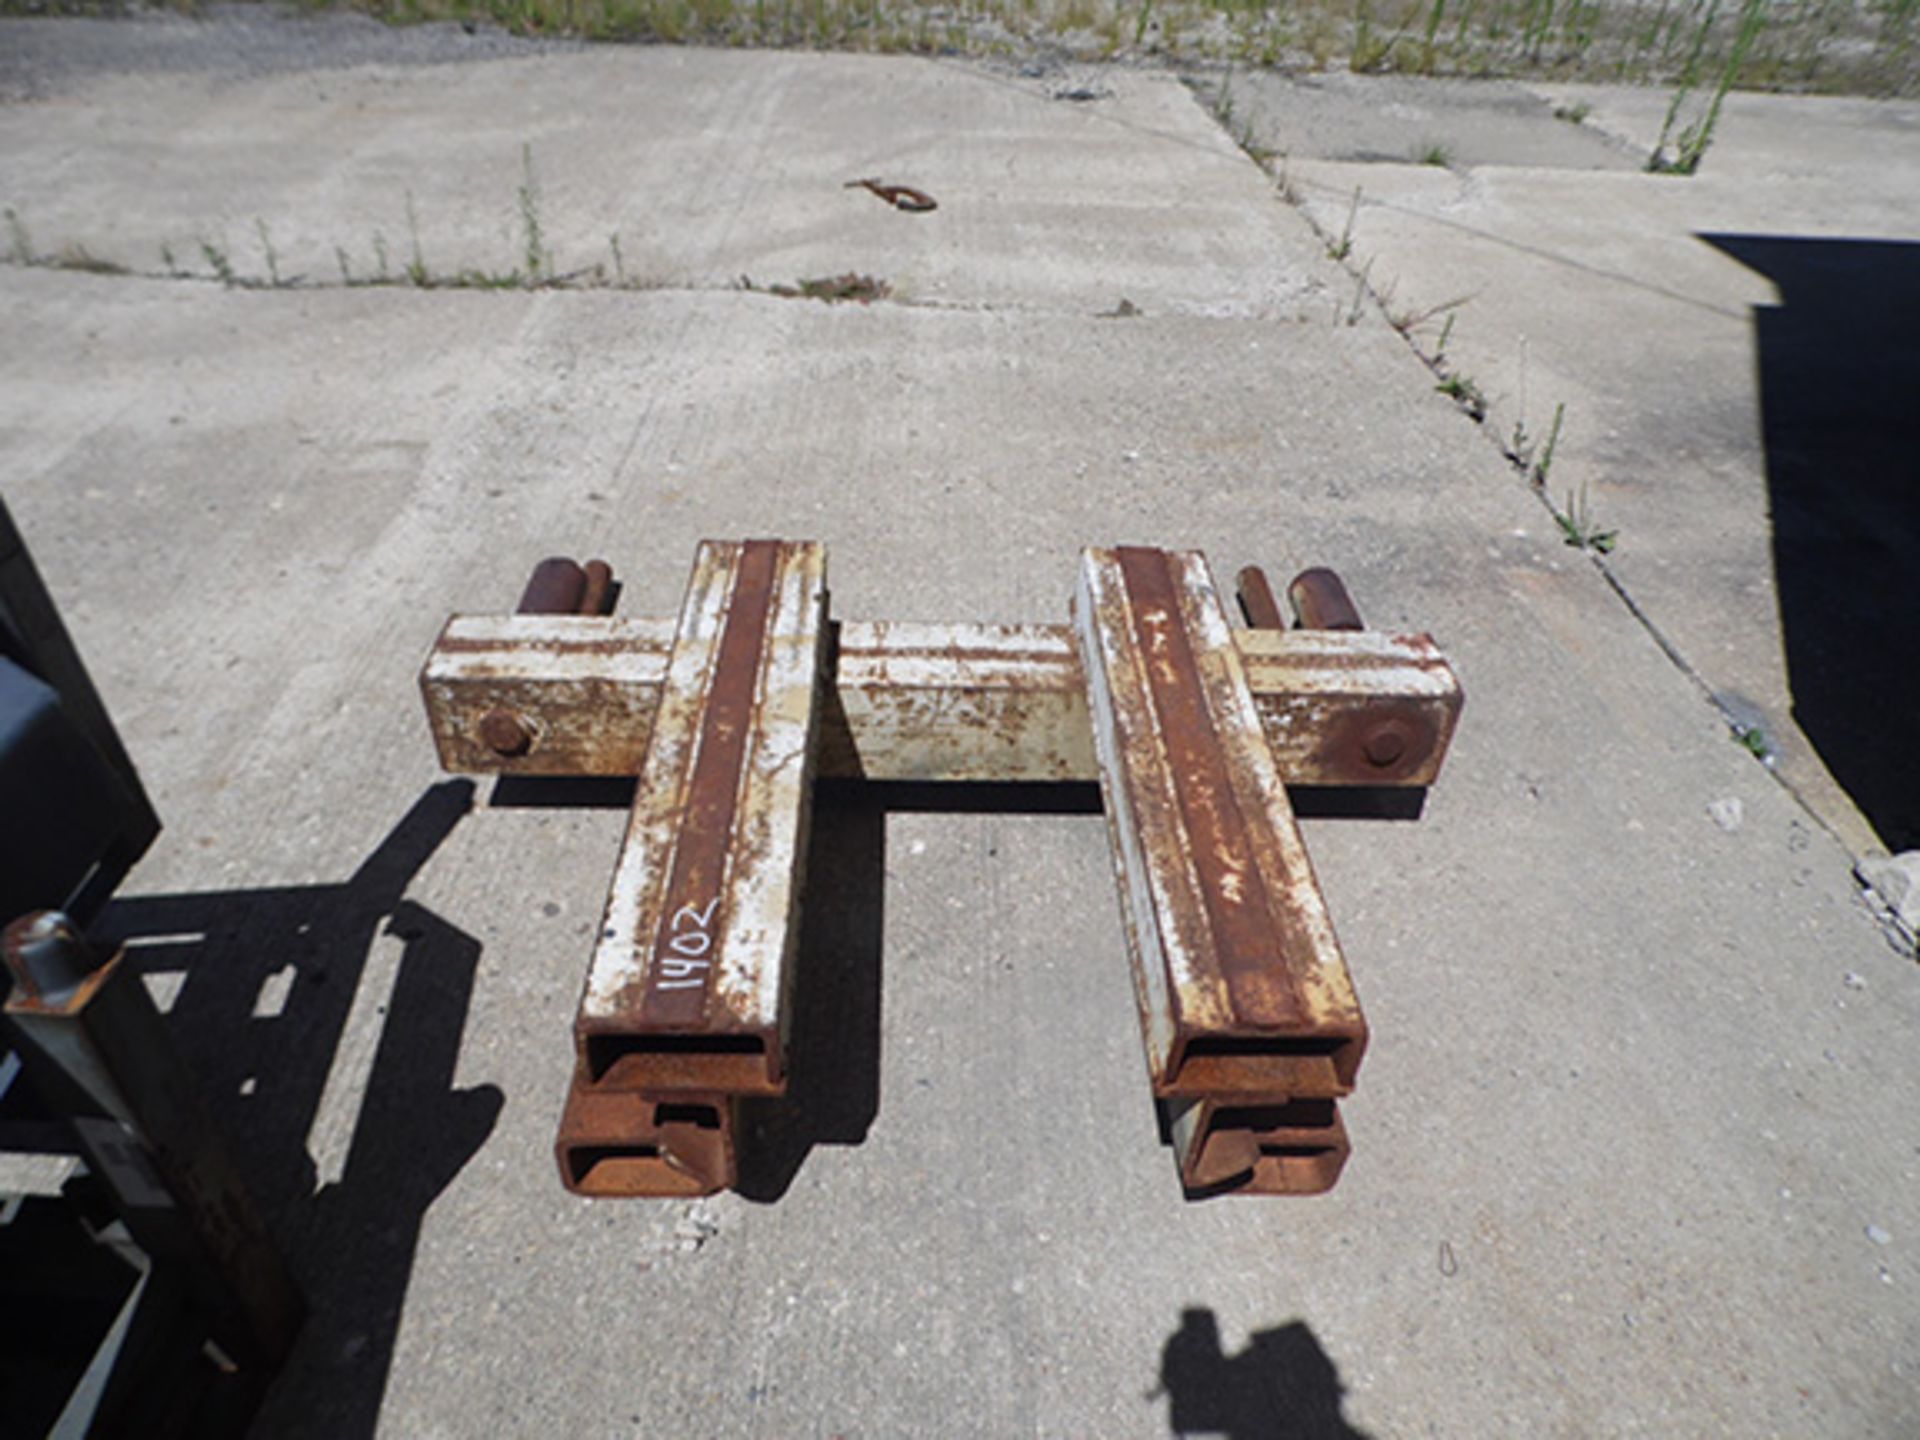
{"x":724,"y":717}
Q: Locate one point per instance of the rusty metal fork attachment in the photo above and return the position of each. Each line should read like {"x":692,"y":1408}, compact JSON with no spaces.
{"x":1194,"y":728}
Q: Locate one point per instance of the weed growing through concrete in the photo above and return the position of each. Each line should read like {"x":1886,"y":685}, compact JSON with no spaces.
{"x":1545,"y":467}
{"x":1520,"y":447}
{"x":77,"y":257}
{"x":417,"y":271}
{"x":1343,"y":247}
{"x":1359,"y":293}
{"x":1434,"y":152}
{"x":271,"y":255}
{"x":19,"y":243}
{"x":1753,"y":740}
{"x":218,"y":262}
{"x":1690,"y":145}
{"x":1578,"y":527}
{"x":1575,"y":114}
{"x":1463,"y":392}
{"x":536,"y":256}
{"x":167,"y":260}
{"x":1288,"y":191}
{"x":1410,"y":322}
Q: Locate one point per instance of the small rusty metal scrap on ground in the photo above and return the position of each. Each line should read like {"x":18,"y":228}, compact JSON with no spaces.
{"x":901,"y":197}
{"x":1195,"y":730}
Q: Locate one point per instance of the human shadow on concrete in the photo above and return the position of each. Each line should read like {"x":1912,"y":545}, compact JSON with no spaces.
{"x":1283,"y":1386}
{"x":267,"y":981}
{"x":1839,"y":370}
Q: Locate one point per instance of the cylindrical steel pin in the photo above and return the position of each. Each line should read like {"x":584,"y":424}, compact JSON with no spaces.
{"x":1321,"y":602}
{"x":1257,"y":602}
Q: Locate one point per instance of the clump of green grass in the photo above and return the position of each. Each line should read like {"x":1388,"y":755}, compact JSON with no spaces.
{"x":417,"y":273}
{"x":1691,"y":142}
{"x":218,"y":262}
{"x":1462,"y":390}
{"x":268,"y":253}
{"x":1433,"y":152}
{"x":1863,"y":46}
{"x":1343,"y":247}
{"x":1545,"y":466}
{"x":1578,"y":527}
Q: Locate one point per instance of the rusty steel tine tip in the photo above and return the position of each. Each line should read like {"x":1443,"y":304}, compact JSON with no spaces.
{"x":1257,"y":602}
{"x":598,"y":595}
{"x":1321,"y":602}
{"x":555,"y":588}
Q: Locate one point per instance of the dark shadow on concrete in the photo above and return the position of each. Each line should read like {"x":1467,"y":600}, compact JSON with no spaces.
{"x":562,"y":792}
{"x":833,"y":1050}
{"x":1283,"y":1386}
{"x":267,"y":981}
{"x":1839,"y":368}
{"x":1358,"y":802}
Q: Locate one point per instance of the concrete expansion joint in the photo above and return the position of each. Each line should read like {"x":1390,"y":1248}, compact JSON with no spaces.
{"x":78,"y":259}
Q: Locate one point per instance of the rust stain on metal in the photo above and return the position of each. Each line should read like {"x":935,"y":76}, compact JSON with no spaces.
{"x":1250,"y":1145}
{"x":689,"y":985}
{"x":1251,"y":933}
{"x":621,"y":1143}
{"x":705,"y":839}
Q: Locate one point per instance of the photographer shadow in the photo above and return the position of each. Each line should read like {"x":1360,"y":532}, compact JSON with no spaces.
{"x":1283,"y":1386}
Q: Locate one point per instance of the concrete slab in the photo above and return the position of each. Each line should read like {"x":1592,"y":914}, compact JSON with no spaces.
{"x":703,"y":167}
{"x":1634,"y":1145}
{"x":1728,"y":349}
{"x":1400,"y":119}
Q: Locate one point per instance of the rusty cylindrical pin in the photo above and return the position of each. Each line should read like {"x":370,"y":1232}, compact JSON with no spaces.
{"x":597,"y":595}
{"x":556,"y":587}
{"x":1321,"y":602}
{"x":1257,"y":602}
